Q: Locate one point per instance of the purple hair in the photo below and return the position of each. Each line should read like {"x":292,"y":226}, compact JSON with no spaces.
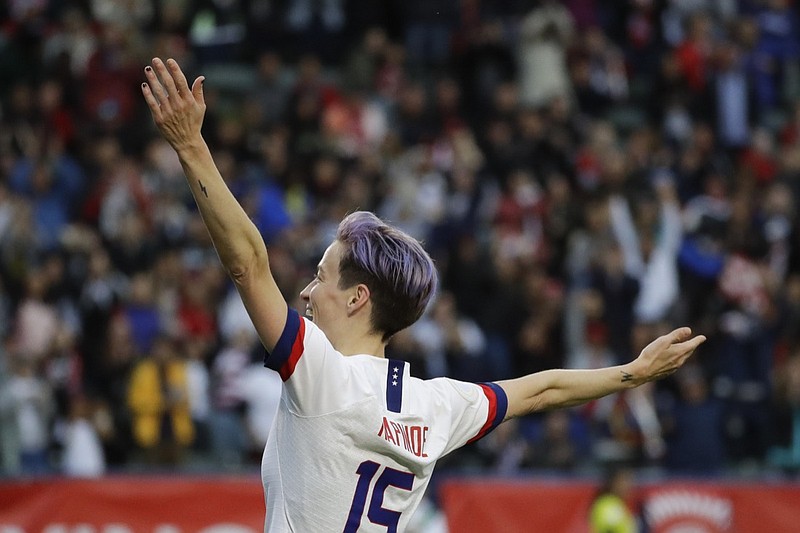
{"x":399,"y":272}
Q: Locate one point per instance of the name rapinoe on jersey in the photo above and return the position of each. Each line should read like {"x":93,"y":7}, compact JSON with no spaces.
{"x":410,"y":438}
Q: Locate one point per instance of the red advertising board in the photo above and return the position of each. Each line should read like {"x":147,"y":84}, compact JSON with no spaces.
{"x":516,"y":507}
{"x":476,"y":505}
{"x":133,"y":505}
{"x":236,"y":505}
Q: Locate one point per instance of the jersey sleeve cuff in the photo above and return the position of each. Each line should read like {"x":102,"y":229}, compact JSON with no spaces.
{"x":498,"y":405}
{"x":289,"y":348}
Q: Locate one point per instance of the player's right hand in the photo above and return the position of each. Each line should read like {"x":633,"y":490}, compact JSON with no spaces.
{"x":177,"y":110}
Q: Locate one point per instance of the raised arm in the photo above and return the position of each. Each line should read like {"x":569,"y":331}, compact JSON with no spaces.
{"x":552,"y":389}
{"x":624,"y":229}
{"x":178,"y":113}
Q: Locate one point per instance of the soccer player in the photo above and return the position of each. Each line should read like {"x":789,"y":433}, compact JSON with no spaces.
{"x":356,"y":438}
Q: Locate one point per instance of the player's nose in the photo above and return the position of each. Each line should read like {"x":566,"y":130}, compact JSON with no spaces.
{"x":304,"y":292}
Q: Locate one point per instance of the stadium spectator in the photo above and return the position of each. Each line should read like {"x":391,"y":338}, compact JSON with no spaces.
{"x":776,"y":51}
{"x":786,"y":453}
{"x":158,"y":397}
{"x":109,"y":380}
{"x":454,"y":344}
{"x":28,"y":402}
{"x":270,"y":92}
{"x":732,"y":98}
{"x":316,"y":27}
{"x":545,"y":35}
{"x":694,"y":427}
{"x":556,"y":447}
{"x":198,"y":385}
{"x":74,"y":41}
{"x":507,"y":451}
{"x":429,"y":26}
{"x":649,"y":239}
{"x":229,"y":439}
{"x":618,"y":291}
{"x":261,"y":393}
{"x":598,"y":73}
{"x":82,"y":454}
{"x":141,"y":312}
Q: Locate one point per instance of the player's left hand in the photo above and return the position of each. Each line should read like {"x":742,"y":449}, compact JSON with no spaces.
{"x":177,"y":110}
{"x":665,"y":355}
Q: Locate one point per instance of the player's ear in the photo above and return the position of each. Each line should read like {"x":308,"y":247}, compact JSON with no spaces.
{"x":358,"y":298}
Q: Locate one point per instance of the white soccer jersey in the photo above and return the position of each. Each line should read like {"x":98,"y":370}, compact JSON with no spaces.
{"x":356,"y":438}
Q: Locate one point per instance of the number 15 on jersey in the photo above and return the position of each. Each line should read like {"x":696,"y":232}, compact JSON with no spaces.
{"x":376,"y":513}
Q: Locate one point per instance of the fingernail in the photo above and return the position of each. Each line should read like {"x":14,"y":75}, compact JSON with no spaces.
{"x":148,"y":68}
{"x":144,"y":85}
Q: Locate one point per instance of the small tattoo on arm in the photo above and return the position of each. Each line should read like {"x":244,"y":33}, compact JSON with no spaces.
{"x":626,"y":377}
{"x":202,"y":188}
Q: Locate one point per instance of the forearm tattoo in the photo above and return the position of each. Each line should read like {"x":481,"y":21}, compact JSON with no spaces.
{"x":626,"y":376}
{"x":203,"y":188}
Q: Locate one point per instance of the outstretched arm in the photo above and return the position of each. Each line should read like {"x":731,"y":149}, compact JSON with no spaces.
{"x":178,"y":113}
{"x":552,"y":389}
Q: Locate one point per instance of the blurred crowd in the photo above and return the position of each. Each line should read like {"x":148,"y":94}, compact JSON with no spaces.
{"x":586,"y":174}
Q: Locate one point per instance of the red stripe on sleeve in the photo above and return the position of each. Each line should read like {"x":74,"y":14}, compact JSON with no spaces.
{"x":492,"y":397}
{"x":287,"y":369}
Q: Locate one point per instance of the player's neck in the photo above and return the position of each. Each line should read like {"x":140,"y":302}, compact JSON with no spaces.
{"x":358,"y":344}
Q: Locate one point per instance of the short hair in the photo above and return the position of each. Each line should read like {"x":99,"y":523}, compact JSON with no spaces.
{"x":394,"y":266}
